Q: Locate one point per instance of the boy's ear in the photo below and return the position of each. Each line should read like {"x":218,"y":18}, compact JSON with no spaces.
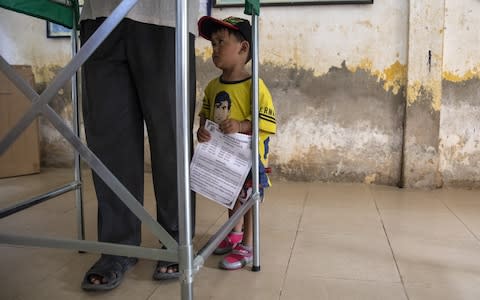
{"x":245,"y":46}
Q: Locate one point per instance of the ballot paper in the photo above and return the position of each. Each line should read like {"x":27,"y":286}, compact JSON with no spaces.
{"x":220,"y":166}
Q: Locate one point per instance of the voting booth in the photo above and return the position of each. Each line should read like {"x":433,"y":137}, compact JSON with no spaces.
{"x":66,"y":13}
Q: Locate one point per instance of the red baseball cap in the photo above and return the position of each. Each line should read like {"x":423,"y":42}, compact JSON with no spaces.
{"x":207,"y":25}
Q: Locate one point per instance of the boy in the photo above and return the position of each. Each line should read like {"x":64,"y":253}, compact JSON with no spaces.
{"x":227,"y":102}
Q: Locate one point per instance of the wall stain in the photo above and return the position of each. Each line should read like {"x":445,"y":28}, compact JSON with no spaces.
{"x":421,"y":156}
{"x":365,"y":23}
{"x":45,"y":73}
{"x":459,"y":139}
{"x":470,"y":74}
{"x":342,"y":126}
{"x":55,"y":151}
{"x":394,"y":77}
{"x":432,"y":87}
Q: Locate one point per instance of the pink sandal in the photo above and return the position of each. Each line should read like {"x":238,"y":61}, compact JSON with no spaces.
{"x":230,"y":242}
{"x":239,"y":258}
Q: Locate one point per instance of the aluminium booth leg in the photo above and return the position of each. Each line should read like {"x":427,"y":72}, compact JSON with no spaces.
{"x":255,"y":161}
{"x":76,"y":130}
{"x":183,"y":150}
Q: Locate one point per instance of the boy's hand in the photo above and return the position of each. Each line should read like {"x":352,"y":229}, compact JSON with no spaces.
{"x":203,"y":135}
{"x":230,"y":126}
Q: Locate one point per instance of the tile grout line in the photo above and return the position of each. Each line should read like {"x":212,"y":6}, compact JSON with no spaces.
{"x":205,"y":237}
{"x":293,"y":246}
{"x":149,"y":297}
{"x":461,"y":221}
{"x":389,"y":244}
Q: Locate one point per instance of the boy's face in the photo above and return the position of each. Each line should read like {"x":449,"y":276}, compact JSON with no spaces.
{"x":228,"y":51}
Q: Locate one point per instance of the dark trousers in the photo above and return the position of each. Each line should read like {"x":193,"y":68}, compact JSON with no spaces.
{"x":128,"y":80}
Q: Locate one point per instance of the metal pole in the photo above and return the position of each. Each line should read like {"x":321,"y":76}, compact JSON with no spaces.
{"x":183,"y":150}
{"x":38,"y":199}
{"x":90,"y":246}
{"x":39,"y":101}
{"x":255,"y":162}
{"x":76,"y":130}
{"x":213,"y":242}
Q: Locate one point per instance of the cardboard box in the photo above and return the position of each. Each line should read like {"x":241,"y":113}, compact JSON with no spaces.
{"x":23,"y":156}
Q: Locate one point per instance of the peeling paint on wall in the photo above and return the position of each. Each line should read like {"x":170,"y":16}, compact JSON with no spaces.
{"x":470,"y":74}
{"x":432,"y":87}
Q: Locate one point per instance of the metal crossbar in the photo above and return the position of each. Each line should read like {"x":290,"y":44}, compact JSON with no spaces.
{"x":182,"y":252}
{"x":40,"y":106}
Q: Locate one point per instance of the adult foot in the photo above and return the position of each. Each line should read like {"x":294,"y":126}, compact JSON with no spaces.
{"x":107,"y":273}
{"x":166,"y":270}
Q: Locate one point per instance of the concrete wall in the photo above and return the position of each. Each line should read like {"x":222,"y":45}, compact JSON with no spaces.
{"x":337,"y":74}
{"x":460,"y":113}
{"x":422,"y":114}
{"x":349,"y":107}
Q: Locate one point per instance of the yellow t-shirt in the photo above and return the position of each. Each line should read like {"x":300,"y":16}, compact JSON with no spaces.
{"x":232,"y":100}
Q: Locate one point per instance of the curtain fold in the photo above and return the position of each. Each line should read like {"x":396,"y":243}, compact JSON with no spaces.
{"x":57,"y":11}
{"x":252,"y":7}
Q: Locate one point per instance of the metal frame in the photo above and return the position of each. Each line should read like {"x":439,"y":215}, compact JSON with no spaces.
{"x":183,"y":252}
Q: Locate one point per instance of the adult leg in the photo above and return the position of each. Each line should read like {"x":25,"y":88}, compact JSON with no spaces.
{"x":114,"y":131}
{"x":153,"y":66}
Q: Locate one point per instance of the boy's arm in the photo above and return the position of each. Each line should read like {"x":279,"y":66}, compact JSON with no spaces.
{"x":266,"y":114}
{"x":233,"y":126}
{"x":202,"y":119}
{"x":245,"y":126}
{"x":202,"y":134}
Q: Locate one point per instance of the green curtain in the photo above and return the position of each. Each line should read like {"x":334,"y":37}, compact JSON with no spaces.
{"x":45,"y":9}
{"x":252,"y":7}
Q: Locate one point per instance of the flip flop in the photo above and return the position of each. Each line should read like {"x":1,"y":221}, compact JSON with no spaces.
{"x":159,"y":275}
{"x":110,"y":268}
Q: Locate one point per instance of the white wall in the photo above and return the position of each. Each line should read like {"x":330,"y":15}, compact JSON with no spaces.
{"x":318,"y":37}
{"x":23,"y":41}
{"x":462,"y":40}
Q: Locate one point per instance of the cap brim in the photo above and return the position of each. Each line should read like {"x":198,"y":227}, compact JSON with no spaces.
{"x":207,"y":25}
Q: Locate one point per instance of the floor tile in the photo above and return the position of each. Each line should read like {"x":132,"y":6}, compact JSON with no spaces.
{"x":409,"y":200}
{"x":436,"y":261}
{"x":317,"y":241}
{"x":343,"y":257}
{"x":352,"y":196}
{"x":334,"y":221}
{"x":314,"y":288}
{"x":420,"y":225}
{"x":454,"y":290}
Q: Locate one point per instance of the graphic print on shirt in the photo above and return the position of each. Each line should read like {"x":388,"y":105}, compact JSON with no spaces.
{"x":223,"y":103}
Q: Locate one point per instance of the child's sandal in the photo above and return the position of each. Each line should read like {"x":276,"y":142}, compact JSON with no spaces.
{"x":239,"y":258}
{"x":230,"y":242}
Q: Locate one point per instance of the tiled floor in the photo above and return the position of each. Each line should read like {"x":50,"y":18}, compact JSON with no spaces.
{"x":319,"y":241}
